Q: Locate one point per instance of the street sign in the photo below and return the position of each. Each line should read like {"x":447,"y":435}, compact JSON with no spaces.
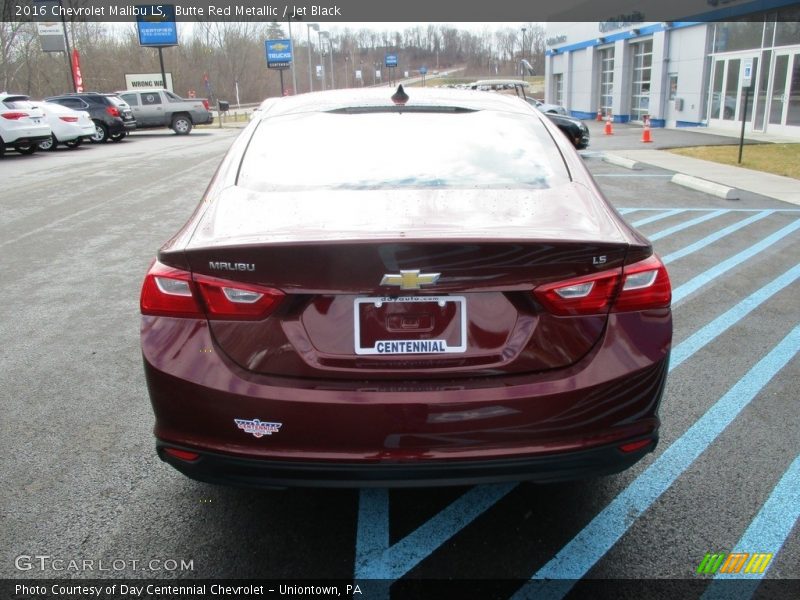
{"x":156,"y":25}
{"x":747,"y":72}
{"x":423,"y":70}
{"x":279,"y":53}
{"x":390,"y":60}
{"x":358,"y":74}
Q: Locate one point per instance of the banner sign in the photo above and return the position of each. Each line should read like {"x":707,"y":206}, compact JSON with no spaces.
{"x":156,"y":25}
{"x":76,"y":70}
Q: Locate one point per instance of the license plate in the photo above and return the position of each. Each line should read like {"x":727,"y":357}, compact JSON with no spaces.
{"x":410,"y":325}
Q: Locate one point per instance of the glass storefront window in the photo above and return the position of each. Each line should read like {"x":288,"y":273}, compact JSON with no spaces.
{"x":787,"y":33}
{"x":716,"y":94}
{"x":606,"y":80}
{"x":738,"y":35}
{"x":793,"y":110}
{"x":763,"y":82}
{"x":640,"y":90}
{"x":778,"y":89}
{"x":731,"y":87}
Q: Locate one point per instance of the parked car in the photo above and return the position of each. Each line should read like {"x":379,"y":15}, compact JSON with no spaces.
{"x":545,"y":107}
{"x":162,"y":108}
{"x":113,"y":118}
{"x":22,"y":125}
{"x":575,"y":129}
{"x":451,"y":301}
{"x":69,"y":127}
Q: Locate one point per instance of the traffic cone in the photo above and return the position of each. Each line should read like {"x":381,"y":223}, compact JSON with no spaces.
{"x":646,"y":131}
{"x":608,"y":130}
{"x":599,"y":114}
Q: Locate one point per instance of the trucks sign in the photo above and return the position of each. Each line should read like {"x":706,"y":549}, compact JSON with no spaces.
{"x":279,"y":53}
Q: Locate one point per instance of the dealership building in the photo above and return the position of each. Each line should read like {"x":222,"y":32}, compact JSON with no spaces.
{"x":688,"y":73}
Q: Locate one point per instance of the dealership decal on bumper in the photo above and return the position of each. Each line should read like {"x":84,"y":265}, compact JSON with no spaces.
{"x":257,"y":428}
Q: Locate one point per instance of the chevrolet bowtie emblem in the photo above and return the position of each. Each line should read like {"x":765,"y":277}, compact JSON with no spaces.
{"x":410,"y":280}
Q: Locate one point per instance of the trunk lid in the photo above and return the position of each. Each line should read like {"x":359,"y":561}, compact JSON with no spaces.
{"x":359,"y":270}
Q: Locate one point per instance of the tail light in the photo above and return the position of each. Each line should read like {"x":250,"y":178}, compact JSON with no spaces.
{"x":13,"y":116}
{"x":112,"y":110}
{"x":645,"y":284}
{"x":588,"y":295}
{"x":205,"y":103}
{"x":174,"y":292}
{"x":69,"y":119}
{"x":640,"y":286}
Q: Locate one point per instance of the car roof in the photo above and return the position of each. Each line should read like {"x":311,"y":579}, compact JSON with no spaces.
{"x":501,"y":82}
{"x":148,"y":90}
{"x":377,"y":98}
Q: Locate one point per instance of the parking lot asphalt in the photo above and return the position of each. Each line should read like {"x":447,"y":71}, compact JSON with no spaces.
{"x":81,"y":479}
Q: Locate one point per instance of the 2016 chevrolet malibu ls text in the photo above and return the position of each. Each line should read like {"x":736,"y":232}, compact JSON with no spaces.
{"x":414,"y":288}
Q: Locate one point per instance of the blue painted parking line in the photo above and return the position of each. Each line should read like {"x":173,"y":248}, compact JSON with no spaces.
{"x":690,"y":223}
{"x":372,"y":537}
{"x":377,"y":561}
{"x":766,"y":534}
{"x":695,"y":209}
{"x":708,"y":333}
{"x":654,"y":218}
{"x":573,"y":561}
{"x":716,"y":236}
{"x":704,"y":278}
{"x":625,"y":211}
{"x":595,"y":175}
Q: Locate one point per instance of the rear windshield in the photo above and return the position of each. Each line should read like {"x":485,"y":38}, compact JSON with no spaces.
{"x":18,"y":103}
{"x":117,"y":101}
{"x":383,"y":150}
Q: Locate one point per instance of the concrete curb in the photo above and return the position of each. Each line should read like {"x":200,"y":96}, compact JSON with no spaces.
{"x":703,"y":185}
{"x":621,"y":161}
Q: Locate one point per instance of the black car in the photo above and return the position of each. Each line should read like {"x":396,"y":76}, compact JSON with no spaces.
{"x":112,"y":117}
{"x":574,"y":129}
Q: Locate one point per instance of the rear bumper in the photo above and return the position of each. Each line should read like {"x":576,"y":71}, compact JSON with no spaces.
{"x":562,"y":424}
{"x":243,"y":472}
{"x":118,"y":126}
{"x":27,"y":140}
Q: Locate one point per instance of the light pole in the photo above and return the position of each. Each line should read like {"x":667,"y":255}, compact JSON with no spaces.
{"x":321,"y":55}
{"x":333,"y":80}
{"x":315,"y":27}
{"x":327,"y":36}
{"x":522,"y":69}
{"x":291,"y":41}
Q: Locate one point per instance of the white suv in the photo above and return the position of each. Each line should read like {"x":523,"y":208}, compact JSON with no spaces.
{"x":22,"y":125}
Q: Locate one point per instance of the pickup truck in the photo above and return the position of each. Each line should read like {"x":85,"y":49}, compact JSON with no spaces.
{"x":162,"y":108}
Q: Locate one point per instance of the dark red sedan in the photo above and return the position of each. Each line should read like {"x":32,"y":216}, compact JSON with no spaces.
{"x":404,"y":289}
